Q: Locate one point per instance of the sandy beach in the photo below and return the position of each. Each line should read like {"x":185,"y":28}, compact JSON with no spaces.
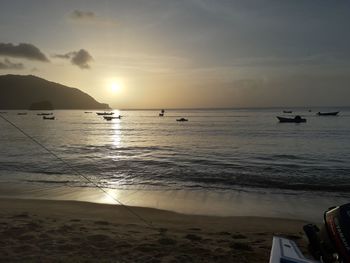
{"x":72,"y":231}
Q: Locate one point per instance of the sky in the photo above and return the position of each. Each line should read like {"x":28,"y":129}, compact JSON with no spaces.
{"x":184,"y":53}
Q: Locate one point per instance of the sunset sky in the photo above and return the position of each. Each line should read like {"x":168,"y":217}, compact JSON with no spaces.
{"x":177,"y":53}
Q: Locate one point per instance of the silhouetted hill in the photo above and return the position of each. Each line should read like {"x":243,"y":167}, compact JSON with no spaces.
{"x":20,"y":92}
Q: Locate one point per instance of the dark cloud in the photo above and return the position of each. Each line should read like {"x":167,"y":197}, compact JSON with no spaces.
{"x":79,"y":58}
{"x":22,"y":50}
{"x":7,"y":64}
{"x":85,"y":15}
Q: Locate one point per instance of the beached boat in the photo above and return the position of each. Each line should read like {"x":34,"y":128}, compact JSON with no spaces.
{"x":48,"y":118}
{"x":286,"y":250}
{"x":328,"y":242}
{"x":182,"y":119}
{"x":109,"y":118}
{"x":104,"y":113}
{"x":296,"y":119}
{"x":334,"y":113}
{"x":287,"y":111}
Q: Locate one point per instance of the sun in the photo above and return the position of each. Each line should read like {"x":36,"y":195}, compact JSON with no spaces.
{"x":115,"y":86}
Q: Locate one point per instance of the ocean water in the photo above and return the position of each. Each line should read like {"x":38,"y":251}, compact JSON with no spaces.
{"x":216,"y":150}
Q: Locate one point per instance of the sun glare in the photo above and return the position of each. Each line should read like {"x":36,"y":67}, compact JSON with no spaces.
{"x":116,"y":86}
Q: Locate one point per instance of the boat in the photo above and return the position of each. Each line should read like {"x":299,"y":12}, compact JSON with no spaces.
{"x":286,"y":250}
{"x":109,"y":118}
{"x":296,"y":119}
{"x":182,"y":119}
{"x":104,"y":113}
{"x":334,"y":113}
{"x":161,"y":114}
{"x":22,"y":113}
{"x":287,"y":111}
{"x":328,"y":242}
{"x":44,"y":114}
{"x":87,"y":111}
{"x":48,"y":118}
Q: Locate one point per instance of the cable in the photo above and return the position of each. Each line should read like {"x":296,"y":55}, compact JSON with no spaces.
{"x":78,"y":173}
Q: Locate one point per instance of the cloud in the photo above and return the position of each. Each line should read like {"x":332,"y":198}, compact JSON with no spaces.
{"x":79,"y":58}
{"x":82,"y":15}
{"x":7,"y":64}
{"x":22,"y":50}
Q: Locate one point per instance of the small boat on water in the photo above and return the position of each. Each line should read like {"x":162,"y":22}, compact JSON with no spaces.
{"x":48,"y":118}
{"x":334,"y":113}
{"x":287,"y":111}
{"x":161,"y":114}
{"x":22,"y":113}
{"x":109,"y":118}
{"x":44,"y":114}
{"x":182,"y":119}
{"x":296,"y":119}
{"x":104,"y":113}
{"x":88,"y":112}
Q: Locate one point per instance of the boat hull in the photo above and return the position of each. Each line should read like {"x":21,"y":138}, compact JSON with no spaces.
{"x":290,"y":120}
{"x":335,"y":113}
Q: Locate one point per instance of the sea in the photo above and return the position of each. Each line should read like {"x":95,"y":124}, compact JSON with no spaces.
{"x":222,"y":155}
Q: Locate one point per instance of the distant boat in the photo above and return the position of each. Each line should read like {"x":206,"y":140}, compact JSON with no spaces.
{"x":48,"y":118}
{"x":296,"y":119}
{"x":88,"y":112}
{"x":44,"y":114}
{"x":182,"y":119}
{"x":22,"y":113}
{"x":161,"y":114}
{"x":104,"y":113}
{"x":162,"y":111}
{"x":334,"y":113}
{"x":287,"y":111}
{"x":109,"y":118}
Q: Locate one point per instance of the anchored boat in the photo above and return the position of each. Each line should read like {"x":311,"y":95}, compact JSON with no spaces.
{"x":296,"y":119}
{"x":334,"y":113}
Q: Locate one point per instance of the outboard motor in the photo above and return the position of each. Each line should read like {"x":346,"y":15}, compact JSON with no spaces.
{"x":331,"y":243}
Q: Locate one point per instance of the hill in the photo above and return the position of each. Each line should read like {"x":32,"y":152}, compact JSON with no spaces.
{"x":20,"y":92}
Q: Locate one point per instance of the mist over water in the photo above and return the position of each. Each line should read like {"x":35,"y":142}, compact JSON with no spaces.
{"x":217,"y":150}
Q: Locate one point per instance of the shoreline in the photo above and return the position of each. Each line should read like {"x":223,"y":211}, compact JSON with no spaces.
{"x":306,"y":207}
{"x":56,"y":231}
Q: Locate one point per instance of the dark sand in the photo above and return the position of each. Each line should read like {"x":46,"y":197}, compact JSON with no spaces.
{"x":71,"y":231}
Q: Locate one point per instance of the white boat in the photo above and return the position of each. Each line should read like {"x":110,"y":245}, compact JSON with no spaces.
{"x":286,"y":251}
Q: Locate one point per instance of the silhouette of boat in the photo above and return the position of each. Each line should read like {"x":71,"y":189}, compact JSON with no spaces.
{"x":109,"y":118}
{"x":104,"y":113}
{"x":182,"y":119}
{"x":22,"y":113}
{"x":88,"y":112}
{"x":334,"y":113}
{"x":161,"y":114}
{"x":44,"y":114}
{"x":296,"y":119}
{"x":287,"y":111}
{"x":48,"y":118}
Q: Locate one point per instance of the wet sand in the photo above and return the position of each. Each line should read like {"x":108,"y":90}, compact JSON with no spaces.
{"x":72,"y":231}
